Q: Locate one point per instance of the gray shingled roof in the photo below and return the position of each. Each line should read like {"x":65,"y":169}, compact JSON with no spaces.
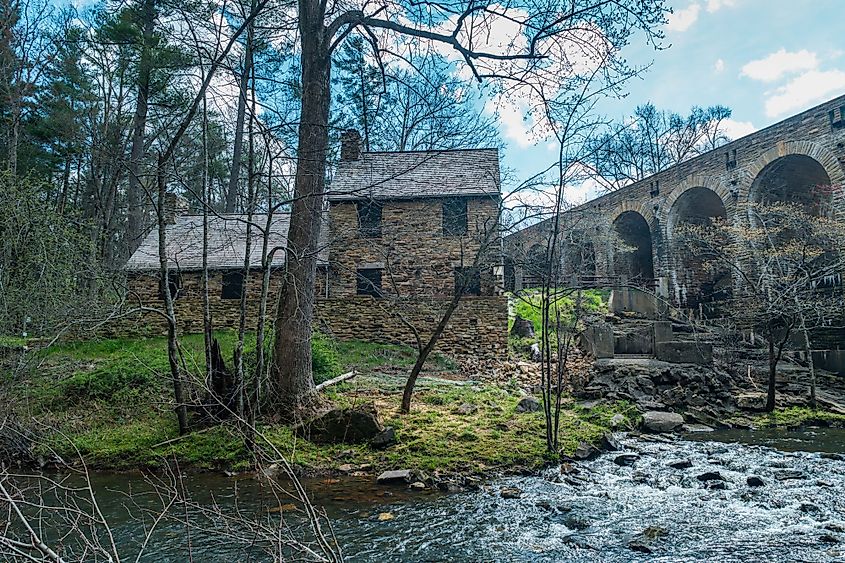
{"x":415,"y":174}
{"x":226,"y":243}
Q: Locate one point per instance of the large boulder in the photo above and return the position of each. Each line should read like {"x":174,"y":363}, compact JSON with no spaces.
{"x":528,"y":404}
{"x":660,"y":421}
{"x":355,"y":425}
{"x":522,"y":327}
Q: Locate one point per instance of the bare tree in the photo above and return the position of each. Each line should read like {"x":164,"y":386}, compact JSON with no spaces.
{"x":545,"y":32}
{"x":786,"y":263}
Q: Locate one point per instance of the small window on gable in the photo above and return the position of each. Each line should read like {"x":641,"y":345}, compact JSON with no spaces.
{"x":174,"y":285}
{"x":455,"y":217}
{"x":467,"y":281}
{"x":369,"y":282}
{"x":233,"y":284}
{"x":369,"y":219}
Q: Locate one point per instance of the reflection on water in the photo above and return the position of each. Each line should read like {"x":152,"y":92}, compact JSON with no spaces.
{"x":591,"y":515}
{"x":810,"y":439}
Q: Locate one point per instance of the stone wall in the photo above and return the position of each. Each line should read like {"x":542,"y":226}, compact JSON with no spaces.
{"x":413,"y":251}
{"x":478,"y":326}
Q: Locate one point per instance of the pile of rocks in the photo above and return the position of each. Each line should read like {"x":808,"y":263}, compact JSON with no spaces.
{"x":528,"y":374}
{"x":655,"y":385}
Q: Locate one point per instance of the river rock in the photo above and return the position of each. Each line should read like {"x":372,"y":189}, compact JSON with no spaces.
{"x":830,"y":455}
{"x":751,"y":401}
{"x":528,"y":404}
{"x":510,"y":492}
{"x":585,"y":451}
{"x":645,"y":540}
{"x":384,"y":439}
{"x":680,"y":464}
{"x":395,"y":476}
{"x":618,"y":420}
{"x":788,"y":474}
{"x":348,"y":425}
{"x":710,"y":476}
{"x":828,"y":538}
{"x":754,"y":481}
{"x":418,"y":485}
{"x":658,"y":421}
{"x":695,"y":428}
{"x":610,"y":443}
{"x":626,"y":459}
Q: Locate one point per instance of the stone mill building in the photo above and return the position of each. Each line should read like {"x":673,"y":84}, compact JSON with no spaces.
{"x":401,"y":233}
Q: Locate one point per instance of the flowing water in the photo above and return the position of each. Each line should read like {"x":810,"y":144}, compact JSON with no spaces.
{"x":596,"y":513}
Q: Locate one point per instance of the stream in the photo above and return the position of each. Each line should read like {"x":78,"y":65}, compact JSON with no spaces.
{"x":655,"y":509}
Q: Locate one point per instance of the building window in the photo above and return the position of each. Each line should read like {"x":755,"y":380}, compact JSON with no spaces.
{"x":455,"y":217}
{"x":233,"y":285}
{"x":174,"y":285}
{"x":467,"y":281}
{"x":369,"y":281}
{"x":369,"y":219}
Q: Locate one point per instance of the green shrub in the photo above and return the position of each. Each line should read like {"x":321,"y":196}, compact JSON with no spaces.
{"x":325,"y":362}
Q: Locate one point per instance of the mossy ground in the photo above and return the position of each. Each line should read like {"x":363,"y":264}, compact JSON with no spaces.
{"x":795,"y":417}
{"x":110,"y":401}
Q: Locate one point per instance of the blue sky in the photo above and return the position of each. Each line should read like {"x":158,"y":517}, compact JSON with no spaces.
{"x":765,"y":59}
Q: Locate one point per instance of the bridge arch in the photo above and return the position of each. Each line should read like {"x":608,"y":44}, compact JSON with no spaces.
{"x":696,"y":182}
{"x":790,"y":171}
{"x":695,"y":282}
{"x":631,"y":247}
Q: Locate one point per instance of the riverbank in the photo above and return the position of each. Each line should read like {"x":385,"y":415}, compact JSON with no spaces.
{"x":110,"y":403}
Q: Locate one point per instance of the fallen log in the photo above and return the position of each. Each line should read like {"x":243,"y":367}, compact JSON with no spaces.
{"x":338,"y":379}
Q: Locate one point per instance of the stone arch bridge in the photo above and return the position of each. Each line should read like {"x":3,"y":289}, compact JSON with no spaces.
{"x":783,"y":162}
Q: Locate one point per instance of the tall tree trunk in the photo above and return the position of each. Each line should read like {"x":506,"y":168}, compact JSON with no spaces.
{"x":14,"y":136}
{"x":773,"y":364}
{"x":170,"y":312}
{"x":292,"y":349}
{"x":135,"y":225}
{"x":235,"y":176}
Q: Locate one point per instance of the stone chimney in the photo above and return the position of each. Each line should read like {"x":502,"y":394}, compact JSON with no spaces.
{"x":174,"y":206}
{"x":350,"y":145}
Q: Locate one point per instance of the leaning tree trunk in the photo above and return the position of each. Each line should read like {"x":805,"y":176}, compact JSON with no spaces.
{"x":292,"y":351}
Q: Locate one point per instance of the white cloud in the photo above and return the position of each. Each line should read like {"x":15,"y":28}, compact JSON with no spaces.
{"x":736,"y":129}
{"x":681,"y":20}
{"x":715,"y":5}
{"x":803,"y":90}
{"x":719,"y":66}
{"x":515,"y":126}
{"x":780,"y":63}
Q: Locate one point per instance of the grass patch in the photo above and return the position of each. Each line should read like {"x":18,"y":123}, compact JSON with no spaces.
{"x":112,"y":401}
{"x":793,"y":417}
{"x":529,"y":305}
